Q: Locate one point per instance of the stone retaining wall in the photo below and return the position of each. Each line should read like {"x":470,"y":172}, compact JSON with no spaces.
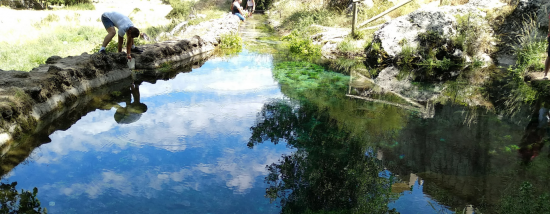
{"x":26,"y":97}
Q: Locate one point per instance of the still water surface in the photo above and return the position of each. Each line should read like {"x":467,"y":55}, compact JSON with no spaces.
{"x":232,"y":136}
{"x":186,"y":153}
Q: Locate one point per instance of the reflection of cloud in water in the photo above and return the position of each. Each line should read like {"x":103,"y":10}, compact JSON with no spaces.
{"x":234,"y":170}
{"x":215,"y":76}
{"x":168,"y":127}
{"x":189,"y":147}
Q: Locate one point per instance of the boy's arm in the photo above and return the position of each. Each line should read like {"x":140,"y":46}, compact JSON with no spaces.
{"x":253,"y":5}
{"x":240,"y":11}
{"x":120,"y":41}
{"x":129,"y":42}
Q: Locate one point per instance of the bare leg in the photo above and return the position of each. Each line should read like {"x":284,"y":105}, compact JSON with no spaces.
{"x":110,"y":34}
{"x":547,"y":65}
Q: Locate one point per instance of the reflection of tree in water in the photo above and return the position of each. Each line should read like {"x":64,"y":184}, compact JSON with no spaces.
{"x":12,"y":201}
{"x":329,"y":172}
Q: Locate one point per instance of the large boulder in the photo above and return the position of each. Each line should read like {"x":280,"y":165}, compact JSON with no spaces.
{"x":442,"y":20}
{"x":444,"y":38}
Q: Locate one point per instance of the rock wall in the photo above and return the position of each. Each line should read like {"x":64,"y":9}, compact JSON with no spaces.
{"x":433,"y":44}
{"x":393,"y":35}
{"x":27,"y":97}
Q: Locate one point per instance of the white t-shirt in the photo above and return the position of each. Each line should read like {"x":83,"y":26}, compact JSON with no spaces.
{"x":542,"y":115}
{"x":121,"y":21}
{"x":236,"y":4}
{"x":250,"y":3}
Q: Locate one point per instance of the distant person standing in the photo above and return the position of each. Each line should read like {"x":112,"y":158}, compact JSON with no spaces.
{"x":547,"y":63}
{"x":237,"y":9}
{"x":251,"y":6}
{"x":125,"y":26}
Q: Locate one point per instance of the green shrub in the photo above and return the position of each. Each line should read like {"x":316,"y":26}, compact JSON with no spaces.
{"x":180,"y":9}
{"x":358,"y":35}
{"x":406,"y":57}
{"x":347,"y":46}
{"x":262,"y":4}
{"x":231,"y":41}
{"x":301,"y":44}
{"x":530,"y":49}
{"x":524,"y":200}
{"x":531,"y":56}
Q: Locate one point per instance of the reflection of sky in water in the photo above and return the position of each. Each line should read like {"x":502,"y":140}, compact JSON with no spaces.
{"x":187,"y":153}
{"x":415,"y":201}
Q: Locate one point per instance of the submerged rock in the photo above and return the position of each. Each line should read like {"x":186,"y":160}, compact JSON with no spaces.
{"x":388,"y":80}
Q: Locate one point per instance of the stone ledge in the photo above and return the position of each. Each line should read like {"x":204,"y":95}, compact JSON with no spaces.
{"x":26,"y":97}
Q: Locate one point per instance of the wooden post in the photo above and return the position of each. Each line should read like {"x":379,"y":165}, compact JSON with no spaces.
{"x":354,"y":18}
{"x":384,"y":13}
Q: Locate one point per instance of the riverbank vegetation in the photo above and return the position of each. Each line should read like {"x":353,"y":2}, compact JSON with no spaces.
{"x":304,"y":19}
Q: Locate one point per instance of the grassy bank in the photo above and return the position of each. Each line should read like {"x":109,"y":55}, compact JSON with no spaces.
{"x":62,"y":40}
{"x":34,"y":36}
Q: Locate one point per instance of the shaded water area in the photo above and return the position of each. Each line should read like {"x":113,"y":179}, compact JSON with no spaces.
{"x":239,"y":134}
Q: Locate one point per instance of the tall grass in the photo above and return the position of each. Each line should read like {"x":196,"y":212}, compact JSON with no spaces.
{"x":349,"y":46}
{"x":530,"y":47}
{"x":60,"y":40}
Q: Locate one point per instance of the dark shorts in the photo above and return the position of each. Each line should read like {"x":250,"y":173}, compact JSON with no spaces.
{"x":548,"y":47}
{"x":250,"y":8}
{"x":107,"y":23}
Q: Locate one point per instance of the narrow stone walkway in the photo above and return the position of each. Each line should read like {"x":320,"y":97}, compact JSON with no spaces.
{"x":248,"y":29}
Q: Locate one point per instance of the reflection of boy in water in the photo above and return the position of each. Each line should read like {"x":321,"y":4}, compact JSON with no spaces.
{"x":547,"y":62}
{"x":133,"y":110}
{"x":532,"y":141}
